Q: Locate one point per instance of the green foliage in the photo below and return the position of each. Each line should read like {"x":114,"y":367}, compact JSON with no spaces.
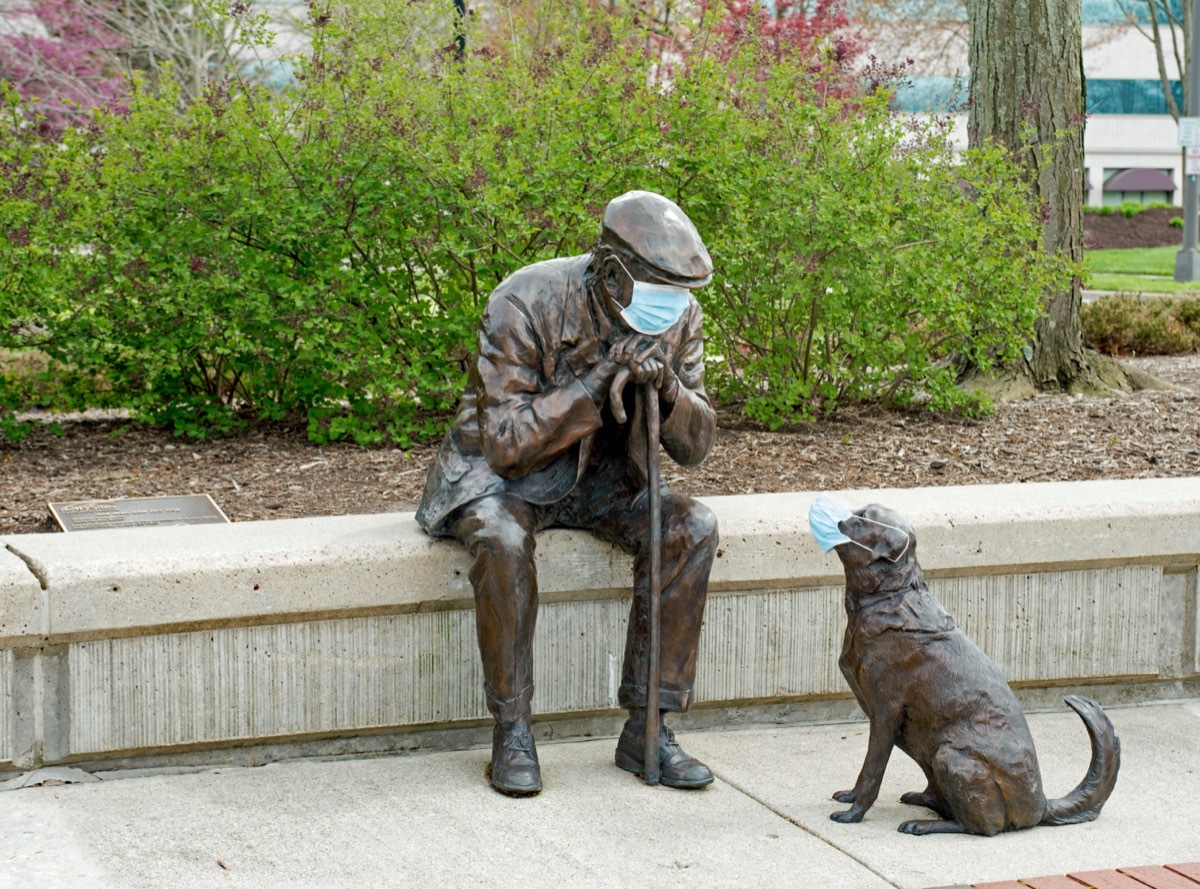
{"x":855,"y":256}
{"x":327,"y":252}
{"x":1175,"y":222}
{"x":1129,"y":208}
{"x":1133,"y":325}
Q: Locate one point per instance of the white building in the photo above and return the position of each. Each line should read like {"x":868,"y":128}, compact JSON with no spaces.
{"x":1129,"y":126}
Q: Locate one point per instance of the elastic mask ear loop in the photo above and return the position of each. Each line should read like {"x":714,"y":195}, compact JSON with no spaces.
{"x":907,"y":539}
{"x":632,"y":279}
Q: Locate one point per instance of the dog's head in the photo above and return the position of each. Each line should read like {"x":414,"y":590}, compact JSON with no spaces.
{"x":882,"y":543}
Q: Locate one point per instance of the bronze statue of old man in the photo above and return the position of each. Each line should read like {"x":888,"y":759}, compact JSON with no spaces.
{"x":548,"y":435}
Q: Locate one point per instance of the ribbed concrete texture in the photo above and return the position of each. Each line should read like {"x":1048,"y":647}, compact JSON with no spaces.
{"x":411,"y":669}
{"x":298,"y":678}
{"x":1062,"y":624}
{"x":6,"y":706}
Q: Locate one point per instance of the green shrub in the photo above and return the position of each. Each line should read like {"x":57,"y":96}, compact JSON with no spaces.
{"x":327,"y":252}
{"x":1132,"y":325}
{"x":1175,"y":222}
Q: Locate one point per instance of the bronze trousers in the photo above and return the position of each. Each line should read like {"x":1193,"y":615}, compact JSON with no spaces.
{"x":498,"y":532}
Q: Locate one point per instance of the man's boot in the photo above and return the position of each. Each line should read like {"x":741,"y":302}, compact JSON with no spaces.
{"x":676,"y":768}
{"x":514,"y":769}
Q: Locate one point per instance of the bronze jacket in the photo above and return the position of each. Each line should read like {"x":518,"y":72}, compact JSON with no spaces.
{"x":526,"y":425}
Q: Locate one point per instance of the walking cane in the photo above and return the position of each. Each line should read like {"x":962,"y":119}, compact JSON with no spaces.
{"x":650,"y":763}
{"x":653,"y":669}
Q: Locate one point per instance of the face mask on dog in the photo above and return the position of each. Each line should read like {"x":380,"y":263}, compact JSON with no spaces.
{"x":823,"y":518}
{"x":825,"y":514}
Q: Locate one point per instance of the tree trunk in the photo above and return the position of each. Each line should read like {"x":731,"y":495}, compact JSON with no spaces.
{"x":1027,"y":93}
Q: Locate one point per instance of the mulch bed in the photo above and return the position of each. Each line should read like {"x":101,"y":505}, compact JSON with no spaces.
{"x":272,"y":472}
{"x":1150,"y":228}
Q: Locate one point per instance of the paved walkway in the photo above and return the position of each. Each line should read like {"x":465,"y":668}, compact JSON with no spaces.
{"x":430,"y":820}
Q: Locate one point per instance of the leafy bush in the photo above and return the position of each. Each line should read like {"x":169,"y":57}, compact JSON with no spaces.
{"x":328,"y":251}
{"x":1133,"y":325}
{"x":1129,"y":208}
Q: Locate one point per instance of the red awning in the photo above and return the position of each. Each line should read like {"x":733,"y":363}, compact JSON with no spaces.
{"x":1140,"y":179}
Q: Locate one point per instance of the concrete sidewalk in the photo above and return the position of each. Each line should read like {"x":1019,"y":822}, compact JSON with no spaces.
{"x":432,"y":820}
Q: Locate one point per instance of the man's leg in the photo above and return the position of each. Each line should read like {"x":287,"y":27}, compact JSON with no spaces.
{"x":498,"y":533}
{"x":689,"y":543}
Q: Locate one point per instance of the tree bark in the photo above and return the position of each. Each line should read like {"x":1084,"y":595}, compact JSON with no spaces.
{"x":1027,"y":93}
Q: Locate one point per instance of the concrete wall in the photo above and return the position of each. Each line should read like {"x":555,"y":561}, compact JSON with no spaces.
{"x":333,"y":635}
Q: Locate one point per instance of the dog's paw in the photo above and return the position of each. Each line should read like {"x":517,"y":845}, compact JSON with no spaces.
{"x":850,"y":816}
{"x":918,"y":798}
{"x":921,"y":828}
{"x":846,"y":796}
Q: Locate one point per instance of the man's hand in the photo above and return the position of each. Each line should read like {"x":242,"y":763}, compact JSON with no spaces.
{"x":639,"y":358}
{"x":641,"y":354}
{"x":598,"y":379}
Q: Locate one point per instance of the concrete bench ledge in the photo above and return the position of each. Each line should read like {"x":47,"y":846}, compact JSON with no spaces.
{"x":1061,"y":583}
{"x":62,"y":587}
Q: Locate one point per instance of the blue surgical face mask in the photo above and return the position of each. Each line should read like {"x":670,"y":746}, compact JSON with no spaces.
{"x":823,"y":518}
{"x":653,"y":307}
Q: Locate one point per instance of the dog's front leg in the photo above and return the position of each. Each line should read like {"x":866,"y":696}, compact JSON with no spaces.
{"x":866,"y":788}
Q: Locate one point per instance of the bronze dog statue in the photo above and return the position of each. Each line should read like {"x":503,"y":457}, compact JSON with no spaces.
{"x":930,"y":691}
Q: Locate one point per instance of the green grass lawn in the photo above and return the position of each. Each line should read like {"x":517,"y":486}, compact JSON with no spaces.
{"x":1136,"y":270}
{"x":1134,"y":261}
{"x":1141,"y":284}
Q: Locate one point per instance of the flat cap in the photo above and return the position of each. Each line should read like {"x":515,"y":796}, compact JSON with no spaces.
{"x":659,"y":234}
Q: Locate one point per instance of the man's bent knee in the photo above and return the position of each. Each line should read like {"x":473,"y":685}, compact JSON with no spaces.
{"x":499,"y":529}
{"x":696,"y":524}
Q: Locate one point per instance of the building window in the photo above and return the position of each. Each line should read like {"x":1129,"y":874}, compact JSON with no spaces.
{"x":1129,"y":96}
{"x":1112,"y":12}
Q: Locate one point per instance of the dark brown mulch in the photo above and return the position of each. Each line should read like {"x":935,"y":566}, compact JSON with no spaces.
{"x":272,"y":472}
{"x":1150,"y":228}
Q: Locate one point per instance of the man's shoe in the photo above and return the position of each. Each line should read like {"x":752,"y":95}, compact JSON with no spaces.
{"x":675,"y":768}
{"x":514,"y":770}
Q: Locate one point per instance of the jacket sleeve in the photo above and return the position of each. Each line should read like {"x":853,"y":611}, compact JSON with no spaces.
{"x":689,"y":430}
{"x":524,"y":419}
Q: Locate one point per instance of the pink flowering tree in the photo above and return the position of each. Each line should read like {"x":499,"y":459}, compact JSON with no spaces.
{"x":818,"y":31}
{"x":60,"y":53}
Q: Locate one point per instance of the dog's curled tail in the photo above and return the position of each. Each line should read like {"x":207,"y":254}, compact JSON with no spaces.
{"x":1085,"y":801}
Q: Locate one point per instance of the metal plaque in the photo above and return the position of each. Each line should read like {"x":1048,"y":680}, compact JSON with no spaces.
{"x":137,"y":512}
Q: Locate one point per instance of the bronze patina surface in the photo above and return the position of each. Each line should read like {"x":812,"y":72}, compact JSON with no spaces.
{"x":547,"y":434}
{"x":929,"y":690}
